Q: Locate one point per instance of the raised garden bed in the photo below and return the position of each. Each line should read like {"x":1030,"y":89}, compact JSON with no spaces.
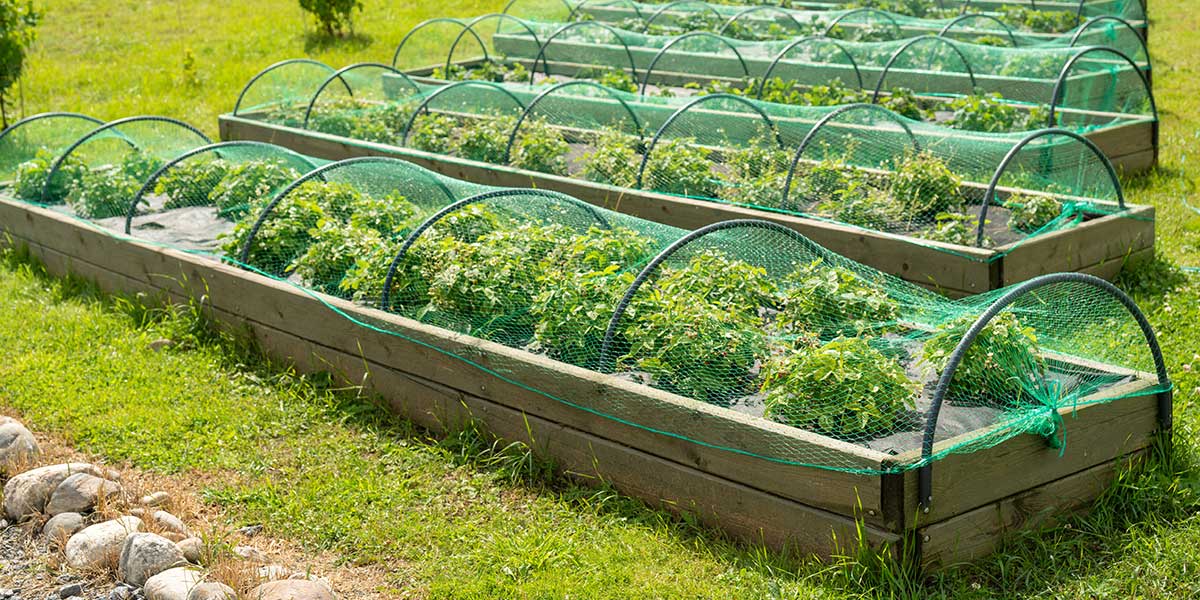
{"x":1099,"y":245}
{"x":441,"y":378}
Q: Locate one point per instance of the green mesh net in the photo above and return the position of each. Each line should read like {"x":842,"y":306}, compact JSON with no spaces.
{"x":862,"y":165}
{"x":836,"y":365}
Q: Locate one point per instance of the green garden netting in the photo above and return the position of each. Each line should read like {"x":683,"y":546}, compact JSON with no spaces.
{"x":859,"y":165}
{"x":1017,"y":26}
{"x":742,"y":320}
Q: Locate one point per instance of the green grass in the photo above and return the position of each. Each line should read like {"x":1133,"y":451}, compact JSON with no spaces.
{"x":458,"y":516}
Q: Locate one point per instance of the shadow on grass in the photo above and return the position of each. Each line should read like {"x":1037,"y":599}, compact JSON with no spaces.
{"x":319,"y":41}
{"x":1151,"y":496}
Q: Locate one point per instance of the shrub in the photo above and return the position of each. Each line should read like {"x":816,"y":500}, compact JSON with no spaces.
{"x":923,"y":186}
{"x":830,"y":301}
{"x":997,"y":366}
{"x":613,"y":160}
{"x":103,"y":194}
{"x":190,"y":182}
{"x":844,"y":388}
{"x":681,"y":167}
{"x":245,"y":184}
{"x":31,"y":178}
{"x":1031,"y":212}
{"x":18,"y":23}
{"x":540,"y":147}
{"x":486,"y":140}
{"x":334,"y":17}
{"x":432,"y":132}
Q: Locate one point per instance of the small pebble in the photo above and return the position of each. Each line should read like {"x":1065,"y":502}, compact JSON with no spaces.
{"x":70,"y":591}
{"x":120,"y":593}
{"x":160,"y":344}
{"x":251,"y":554}
{"x":156,"y":499}
{"x":7,"y":592}
{"x":251,"y":530}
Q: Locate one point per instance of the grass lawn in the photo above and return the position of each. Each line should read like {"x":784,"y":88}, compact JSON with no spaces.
{"x":457,"y":517}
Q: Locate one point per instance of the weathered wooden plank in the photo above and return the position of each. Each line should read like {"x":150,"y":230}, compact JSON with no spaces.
{"x":1102,"y":240}
{"x":1095,"y":433}
{"x":978,"y":533}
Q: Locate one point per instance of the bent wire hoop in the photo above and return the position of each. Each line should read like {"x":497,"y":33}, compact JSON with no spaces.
{"x":887,"y":67}
{"x":808,"y":40}
{"x":424,"y":105}
{"x":925,"y":474}
{"x":338,"y":76}
{"x":385,"y":296}
{"x":512,"y":137}
{"x":974,"y":16}
{"x":283,"y":63}
{"x":545,"y":60}
{"x":695,"y":34}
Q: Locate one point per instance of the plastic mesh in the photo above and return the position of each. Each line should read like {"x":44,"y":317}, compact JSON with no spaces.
{"x":743,"y":324}
{"x":862,"y":165}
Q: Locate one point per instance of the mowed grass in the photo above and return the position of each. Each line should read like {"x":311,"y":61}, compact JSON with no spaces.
{"x":457,"y":517}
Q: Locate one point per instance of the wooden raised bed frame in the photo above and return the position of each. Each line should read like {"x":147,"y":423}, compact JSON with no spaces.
{"x":978,"y":497}
{"x":1100,"y":246}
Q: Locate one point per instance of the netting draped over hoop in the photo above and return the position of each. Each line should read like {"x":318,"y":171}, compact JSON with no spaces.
{"x":743,"y":320}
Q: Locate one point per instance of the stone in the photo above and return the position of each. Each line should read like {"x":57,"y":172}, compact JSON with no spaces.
{"x":80,"y":493}
{"x":70,"y":591}
{"x":191,"y":548}
{"x":174,"y":537}
{"x":169,"y":522}
{"x":62,"y":526}
{"x":156,"y":499}
{"x":160,"y":344}
{"x":172,"y":584}
{"x":120,"y":593}
{"x":18,"y":448}
{"x":27,"y":494}
{"x":145,"y":555}
{"x":99,"y":546}
{"x":293,"y":589}
{"x":212,"y":590}
{"x":251,"y":554}
{"x":138,"y":512}
{"x":251,"y":531}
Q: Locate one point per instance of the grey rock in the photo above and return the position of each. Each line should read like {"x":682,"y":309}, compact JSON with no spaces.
{"x":7,"y":592}
{"x":251,"y":554}
{"x":18,"y":448}
{"x":274,"y":572}
{"x":27,"y":494}
{"x":62,"y":526}
{"x":100,"y":545}
{"x":172,"y":584}
{"x":251,"y":530}
{"x":212,"y":590}
{"x":144,"y":555}
{"x":191,"y":548}
{"x":169,"y":522}
{"x":293,"y":589}
{"x":80,"y":493}
{"x":120,"y":593}
{"x":70,"y":591}
{"x":156,"y":499}
{"x":160,"y":345}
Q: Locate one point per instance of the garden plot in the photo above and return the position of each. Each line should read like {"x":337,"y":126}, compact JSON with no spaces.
{"x":659,"y":426}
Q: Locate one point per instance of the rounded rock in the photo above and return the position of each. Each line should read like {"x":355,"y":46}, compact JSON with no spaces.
{"x":172,"y":584}
{"x":70,"y":591}
{"x":99,"y":546}
{"x":212,"y":590}
{"x":191,"y":548}
{"x":18,"y":448}
{"x":62,"y":526}
{"x":293,"y":589}
{"x":156,"y":499}
{"x":145,"y":555}
{"x":169,"y":522}
{"x":27,"y":494}
{"x":80,"y":493}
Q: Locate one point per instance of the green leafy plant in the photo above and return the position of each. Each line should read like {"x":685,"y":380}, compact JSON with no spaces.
{"x":390,"y":216}
{"x":991,"y":114}
{"x":755,"y":175}
{"x":333,"y":17}
{"x":18,"y":30}
{"x":833,"y":93}
{"x":287,"y":231}
{"x":139,"y":165}
{"x":103,"y":194}
{"x":844,"y":388}
{"x":1031,"y":212}
{"x":617,"y":79}
{"x":189,"y":183}
{"x":679,"y":166}
{"x":955,"y":228}
{"x":731,"y":284}
{"x":861,"y":205}
{"x":998,"y":366}
{"x":432,"y":132}
{"x":379,"y":122}
{"x":923,"y":185}
{"x":335,"y":248}
{"x":613,"y":159}
{"x":32,"y":174}
{"x":540,"y":147}
{"x":905,"y":103}
{"x":1040,"y":21}
{"x":829,"y":301}
{"x":247,"y":183}
{"x":486,"y":139}
{"x":488,"y":70}
{"x":572,"y":315}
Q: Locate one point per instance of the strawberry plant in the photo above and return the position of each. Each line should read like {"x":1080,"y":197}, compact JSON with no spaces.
{"x":572,"y":313}
{"x":245,"y":184}
{"x":540,"y":147}
{"x":334,"y":250}
{"x":861,"y":205}
{"x":754,"y":175}
{"x":1039,"y":21}
{"x":905,"y":103}
{"x":613,"y":159}
{"x":830,"y":301}
{"x":432,"y":132}
{"x":287,"y":231}
{"x":731,"y":284}
{"x":955,"y":228}
{"x":923,"y":186}
{"x":845,"y":388}
{"x":998,"y":366}
{"x":139,"y":165}
{"x":391,"y":216}
{"x":488,"y":70}
{"x":103,"y":194}
{"x":190,"y":182}
{"x":31,"y":178}
{"x":1029,"y":213}
{"x":989,"y":113}
{"x":617,"y":79}
{"x":679,"y":166}
{"x":486,"y":140}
